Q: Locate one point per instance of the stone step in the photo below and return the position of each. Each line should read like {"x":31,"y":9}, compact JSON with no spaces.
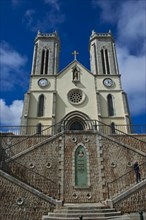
{"x":74,"y":214}
{"x":86,"y":218}
{"x":91,"y":210}
{"x":88,"y":214}
{"x":87,"y":211}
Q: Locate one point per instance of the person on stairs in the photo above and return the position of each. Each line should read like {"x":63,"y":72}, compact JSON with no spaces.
{"x":137,"y":171}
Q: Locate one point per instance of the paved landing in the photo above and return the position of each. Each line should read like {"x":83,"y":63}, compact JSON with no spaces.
{"x":136,"y":216}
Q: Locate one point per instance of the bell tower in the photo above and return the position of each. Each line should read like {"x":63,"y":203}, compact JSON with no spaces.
{"x":46,"y":54}
{"x":111,"y":99}
{"x":103,"y":60}
{"x":39,"y":102}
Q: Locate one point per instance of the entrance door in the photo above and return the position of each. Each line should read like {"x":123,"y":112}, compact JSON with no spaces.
{"x":76,"y":126}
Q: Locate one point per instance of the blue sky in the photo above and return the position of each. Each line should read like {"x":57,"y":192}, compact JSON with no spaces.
{"x":73,"y":20}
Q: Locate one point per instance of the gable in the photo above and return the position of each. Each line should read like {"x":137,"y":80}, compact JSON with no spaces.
{"x":69,"y":69}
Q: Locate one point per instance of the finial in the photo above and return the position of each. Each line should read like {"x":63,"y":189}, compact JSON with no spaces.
{"x":109,"y":31}
{"x":75,"y":53}
{"x":39,"y":32}
{"x":93,"y":32}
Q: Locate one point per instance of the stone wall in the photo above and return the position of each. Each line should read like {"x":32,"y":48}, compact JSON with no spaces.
{"x":17,"y":203}
{"x":42,"y":160}
{"x":55,"y":159}
{"x":117,"y":161}
{"x":134,"y":203}
{"x":72,"y":193}
{"x":16,"y":143}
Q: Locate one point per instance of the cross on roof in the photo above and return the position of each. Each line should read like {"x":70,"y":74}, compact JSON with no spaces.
{"x":75,"y":53}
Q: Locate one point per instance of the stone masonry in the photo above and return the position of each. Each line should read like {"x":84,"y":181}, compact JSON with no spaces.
{"x":54,"y":159}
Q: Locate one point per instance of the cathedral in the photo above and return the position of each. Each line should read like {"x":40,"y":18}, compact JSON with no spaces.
{"x":75,"y":96}
{"x":73,"y":158}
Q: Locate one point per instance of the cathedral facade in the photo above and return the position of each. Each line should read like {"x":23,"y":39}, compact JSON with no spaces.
{"x":75,"y":96}
{"x":78,"y":161}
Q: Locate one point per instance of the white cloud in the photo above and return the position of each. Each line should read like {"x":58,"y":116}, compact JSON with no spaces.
{"x":132,"y":69}
{"x":132,"y":24}
{"x":12,"y":64}
{"x":10,"y":114}
{"x":54,"y":3}
{"x":55,"y":18}
{"x":108,"y":12}
{"x":50,"y":19}
{"x":129,"y":17}
{"x":28,"y":17}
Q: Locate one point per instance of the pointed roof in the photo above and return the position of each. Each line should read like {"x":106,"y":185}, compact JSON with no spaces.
{"x":75,"y":62}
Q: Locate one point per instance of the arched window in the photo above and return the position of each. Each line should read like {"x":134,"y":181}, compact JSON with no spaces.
{"x":110,"y":105}
{"x":41,"y":106}
{"x":46,"y":64}
{"x":103,"y":62}
{"x":42,"y":61}
{"x":107,"y":62}
{"x":35,"y":58}
{"x":39,"y":128}
{"x":81,"y":170}
{"x":113,"y":131}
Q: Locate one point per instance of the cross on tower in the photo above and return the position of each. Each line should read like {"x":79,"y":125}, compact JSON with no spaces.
{"x":75,"y":53}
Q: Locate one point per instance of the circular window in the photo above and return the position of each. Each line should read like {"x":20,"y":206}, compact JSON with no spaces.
{"x":31,"y":165}
{"x":48,"y":165}
{"x":76,"y":96}
{"x":20,"y":201}
{"x":75,"y":196}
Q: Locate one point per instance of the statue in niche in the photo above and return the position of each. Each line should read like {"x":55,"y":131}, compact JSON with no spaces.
{"x":75,"y":75}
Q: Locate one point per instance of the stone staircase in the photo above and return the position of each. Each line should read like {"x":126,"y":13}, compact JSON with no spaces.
{"x":30,"y":189}
{"x":85,"y":211}
{"x":127,"y":193}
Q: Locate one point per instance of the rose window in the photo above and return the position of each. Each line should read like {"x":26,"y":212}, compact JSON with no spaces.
{"x":76,"y":96}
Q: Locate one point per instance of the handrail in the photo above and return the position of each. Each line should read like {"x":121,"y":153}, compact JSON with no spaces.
{"x":36,"y":134}
{"x":91,"y":125}
{"x":24,"y":140}
{"x":32,"y":178}
{"x":134,"y":142}
{"x":11,"y":130}
{"x":124,"y":181}
{"x":29,"y":141}
{"x":119,"y":131}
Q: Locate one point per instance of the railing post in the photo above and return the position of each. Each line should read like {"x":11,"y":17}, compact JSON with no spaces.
{"x":95,"y":126}
{"x":2,"y":158}
{"x":108,"y":191}
{"x":59,"y":191}
{"x":62,"y":126}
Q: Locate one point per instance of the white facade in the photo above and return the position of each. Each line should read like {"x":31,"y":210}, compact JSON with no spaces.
{"x":75,"y":95}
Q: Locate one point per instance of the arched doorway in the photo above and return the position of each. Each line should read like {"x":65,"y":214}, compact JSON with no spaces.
{"x":76,"y":125}
{"x":77,"y":121}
